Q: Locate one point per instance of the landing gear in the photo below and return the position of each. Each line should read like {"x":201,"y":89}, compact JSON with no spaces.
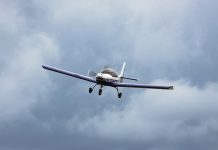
{"x":100,"y":92}
{"x":91,"y":89}
{"x":119,"y":93}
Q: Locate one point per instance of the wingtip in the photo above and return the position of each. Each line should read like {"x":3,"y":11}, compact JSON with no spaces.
{"x":44,"y":66}
{"x":171,"y":88}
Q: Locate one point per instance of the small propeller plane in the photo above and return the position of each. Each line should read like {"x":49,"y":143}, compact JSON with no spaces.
{"x":107,"y":77}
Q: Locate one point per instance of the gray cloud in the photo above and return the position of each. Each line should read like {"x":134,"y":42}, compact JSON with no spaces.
{"x":22,"y":77}
{"x":187,"y":113}
{"x":168,"y":40}
{"x":167,"y":35}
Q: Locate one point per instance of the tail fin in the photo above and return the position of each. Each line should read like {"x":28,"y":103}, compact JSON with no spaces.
{"x":122,"y":72}
{"x":123,"y":69}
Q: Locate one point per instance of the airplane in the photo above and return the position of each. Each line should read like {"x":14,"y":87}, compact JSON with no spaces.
{"x":107,"y":77}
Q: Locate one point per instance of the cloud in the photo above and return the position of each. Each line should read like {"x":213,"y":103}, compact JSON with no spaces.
{"x":166,"y":38}
{"x":23,"y":51}
{"x":138,"y":26}
{"x":186,"y":113}
{"x":158,"y":39}
{"x":10,"y":20}
{"x":22,"y":77}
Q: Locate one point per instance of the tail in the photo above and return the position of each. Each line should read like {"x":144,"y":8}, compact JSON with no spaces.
{"x":122,"y":74}
{"x":122,"y":70}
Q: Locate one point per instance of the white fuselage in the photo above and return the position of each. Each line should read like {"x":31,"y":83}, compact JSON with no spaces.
{"x":104,"y":77}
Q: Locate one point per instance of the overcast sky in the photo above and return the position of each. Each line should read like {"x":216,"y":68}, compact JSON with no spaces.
{"x":164,"y":42}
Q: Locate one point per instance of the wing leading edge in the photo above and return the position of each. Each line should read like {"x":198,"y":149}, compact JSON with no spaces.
{"x":132,"y":85}
{"x":72,"y":74}
{"x":86,"y":78}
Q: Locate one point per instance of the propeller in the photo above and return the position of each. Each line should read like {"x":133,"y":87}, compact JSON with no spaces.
{"x":92,"y":73}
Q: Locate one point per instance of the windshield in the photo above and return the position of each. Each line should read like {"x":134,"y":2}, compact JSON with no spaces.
{"x":110,"y":72}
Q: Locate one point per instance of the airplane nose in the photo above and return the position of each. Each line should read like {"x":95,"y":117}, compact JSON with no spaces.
{"x":98,"y":75}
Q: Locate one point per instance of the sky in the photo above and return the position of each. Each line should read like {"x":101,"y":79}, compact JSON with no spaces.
{"x":163,"y":42}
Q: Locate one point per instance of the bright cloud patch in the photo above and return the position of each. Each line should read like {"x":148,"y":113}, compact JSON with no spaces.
{"x":184,"y":113}
{"x":22,"y":77}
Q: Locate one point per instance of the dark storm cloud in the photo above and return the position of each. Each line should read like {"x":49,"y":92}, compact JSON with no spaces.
{"x":174,"y":40}
{"x":144,"y":33}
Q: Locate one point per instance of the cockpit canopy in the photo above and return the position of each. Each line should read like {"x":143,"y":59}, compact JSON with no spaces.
{"x":110,"y":72}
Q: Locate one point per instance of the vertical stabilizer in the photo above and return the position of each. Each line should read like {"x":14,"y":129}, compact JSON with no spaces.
{"x":123,"y":69}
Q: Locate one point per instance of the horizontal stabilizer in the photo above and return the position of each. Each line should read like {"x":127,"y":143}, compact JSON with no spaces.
{"x":130,"y":78}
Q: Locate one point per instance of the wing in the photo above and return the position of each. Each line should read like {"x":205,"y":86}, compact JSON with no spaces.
{"x":72,"y":74}
{"x":132,"y":85}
